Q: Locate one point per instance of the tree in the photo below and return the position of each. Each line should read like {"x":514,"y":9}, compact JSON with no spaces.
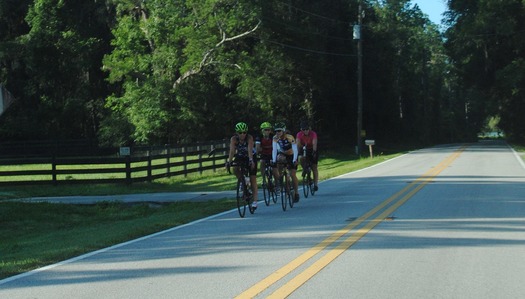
{"x":405,"y":70}
{"x":55,"y":72}
{"x":159,"y":47}
{"x":486,"y":45}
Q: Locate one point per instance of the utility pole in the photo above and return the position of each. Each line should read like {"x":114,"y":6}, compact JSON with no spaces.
{"x":357,"y":36}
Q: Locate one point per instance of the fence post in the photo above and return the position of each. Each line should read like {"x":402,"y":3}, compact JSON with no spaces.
{"x":128,"y":169}
{"x":185,"y":167}
{"x":212,"y":147}
{"x":168,"y":170}
{"x":200,"y":158}
{"x":54,"y":170}
{"x":227,"y":152}
{"x":149,"y":165}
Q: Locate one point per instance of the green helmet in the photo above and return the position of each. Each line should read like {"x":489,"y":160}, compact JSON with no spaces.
{"x":279,"y":126}
{"x":266,"y":125}
{"x":241,"y":127}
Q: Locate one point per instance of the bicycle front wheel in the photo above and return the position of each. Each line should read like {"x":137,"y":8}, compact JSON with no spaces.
{"x":291,"y":191}
{"x":271,"y":186}
{"x":284,"y":194}
{"x":306,"y":185}
{"x":311,"y":184}
{"x":241,"y":200}
{"x":266,"y":191}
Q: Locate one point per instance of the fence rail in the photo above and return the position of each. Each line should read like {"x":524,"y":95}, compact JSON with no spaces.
{"x":143,"y":164}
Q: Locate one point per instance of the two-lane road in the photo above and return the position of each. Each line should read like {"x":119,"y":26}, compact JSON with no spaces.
{"x":443,"y":222}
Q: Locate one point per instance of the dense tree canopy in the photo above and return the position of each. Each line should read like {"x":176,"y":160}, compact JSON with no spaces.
{"x":486,"y":46}
{"x":154,"y":72}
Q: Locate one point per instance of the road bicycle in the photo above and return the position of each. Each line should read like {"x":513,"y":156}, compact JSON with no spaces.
{"x":308,"y":182}
{"x":243,"y":189}
{"x":286,"y":185}
{"x":268,"y":184}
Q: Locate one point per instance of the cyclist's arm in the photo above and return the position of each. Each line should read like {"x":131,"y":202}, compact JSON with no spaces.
{"x":258,"y":147}
{"x":298,"y":141}
{"x":295,"y":152}
{"x":250,"y":148}
{"x":274,"y":151}
{"x":232,"y":150}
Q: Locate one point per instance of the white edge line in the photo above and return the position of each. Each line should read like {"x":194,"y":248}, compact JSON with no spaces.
{"x":366,"y":168}
{"x":520,"y":160}
{"x":84,"y":256}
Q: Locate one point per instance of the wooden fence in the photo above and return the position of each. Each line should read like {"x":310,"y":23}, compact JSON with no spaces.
{"x":143,"y":164}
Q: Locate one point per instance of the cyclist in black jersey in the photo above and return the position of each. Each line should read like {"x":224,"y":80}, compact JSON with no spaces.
{"x":285,"y":150}
{"x":241,"y":150}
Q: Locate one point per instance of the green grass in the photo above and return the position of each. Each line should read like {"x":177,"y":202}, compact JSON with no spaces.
{"x":34,"y":235}
{"x":38,"y":234}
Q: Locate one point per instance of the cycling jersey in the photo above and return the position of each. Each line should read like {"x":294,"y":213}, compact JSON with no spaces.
{"x":307,"y":139}
{"x":242,"y":147}
{"x":241,"y":153}
{"x":266,"y":145}
{"x":285,"y":145}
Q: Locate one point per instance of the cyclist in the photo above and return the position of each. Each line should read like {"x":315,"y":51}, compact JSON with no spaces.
{"x":285,"y":151}
{"x":241,"y":151}
{"x":264,"y":145}
{"x":307,"y":137}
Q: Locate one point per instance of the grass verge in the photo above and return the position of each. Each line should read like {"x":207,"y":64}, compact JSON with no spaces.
{"x":39,"y":234}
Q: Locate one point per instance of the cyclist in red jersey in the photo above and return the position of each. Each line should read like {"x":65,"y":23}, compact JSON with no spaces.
{"x":241,"y":150}
{"x":285,"y":151}
{"x":307,"y":137}
{"x":264,"y":145}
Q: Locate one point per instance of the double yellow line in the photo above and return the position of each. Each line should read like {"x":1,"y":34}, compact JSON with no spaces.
{"x":293,"y":284}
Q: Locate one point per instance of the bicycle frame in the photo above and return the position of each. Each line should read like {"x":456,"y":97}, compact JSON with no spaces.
{"x":286,"y":182}
{"x":268,"y":185}
{"x":308,"y":183}
{"x":244,"y":197}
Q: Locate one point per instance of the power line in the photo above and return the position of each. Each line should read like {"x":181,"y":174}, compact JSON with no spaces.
{"x":314,"y":14}
{"x":306,"y":49}
{"x":300,"y":30}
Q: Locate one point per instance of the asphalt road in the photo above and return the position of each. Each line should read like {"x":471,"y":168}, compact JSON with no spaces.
{"x":443,"y":222}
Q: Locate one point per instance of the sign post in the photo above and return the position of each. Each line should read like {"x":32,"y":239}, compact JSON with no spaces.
{"x":370,"y":142}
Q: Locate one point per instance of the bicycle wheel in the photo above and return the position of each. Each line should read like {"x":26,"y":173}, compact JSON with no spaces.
{"x":249,"y":202}
{"x":271,"y":186}
{"x":241,"y":201}
{"x":311,"y":183}
{"x":284,"y":194}
{"x":266,"y":190}
{"x":306,"y":184}
{"x":291,"y":190}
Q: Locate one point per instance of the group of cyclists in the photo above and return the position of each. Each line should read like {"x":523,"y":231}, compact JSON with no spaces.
{"x":274,"y":145}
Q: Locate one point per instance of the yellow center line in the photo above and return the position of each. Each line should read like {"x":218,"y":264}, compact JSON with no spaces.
{"x":302,"y":277}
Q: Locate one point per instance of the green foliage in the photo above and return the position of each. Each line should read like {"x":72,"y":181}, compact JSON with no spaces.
{"x":485,"y":43}
{"x":129,"y":71}
{"x":55,"y":73}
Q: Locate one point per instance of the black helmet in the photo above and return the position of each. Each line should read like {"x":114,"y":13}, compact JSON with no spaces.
{"x":279,"y":126}
{"x":304,"y":125}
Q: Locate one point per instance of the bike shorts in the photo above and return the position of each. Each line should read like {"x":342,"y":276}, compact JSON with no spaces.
{"x":245,"y":160}
{"x":289,"y":160}
{"x":310,"y":155}
{"x":266,"y":158}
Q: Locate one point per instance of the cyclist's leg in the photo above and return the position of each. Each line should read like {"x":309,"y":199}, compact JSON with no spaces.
{"x":236,"y":169}
{"x":316,"y":175}
{"x":293,"y":174}
{"x":302,"y":161}
{"x":253,"y":181}
{"x":315,"y":170}
{"x":262,"y":166}
{"x":276,"y":176}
